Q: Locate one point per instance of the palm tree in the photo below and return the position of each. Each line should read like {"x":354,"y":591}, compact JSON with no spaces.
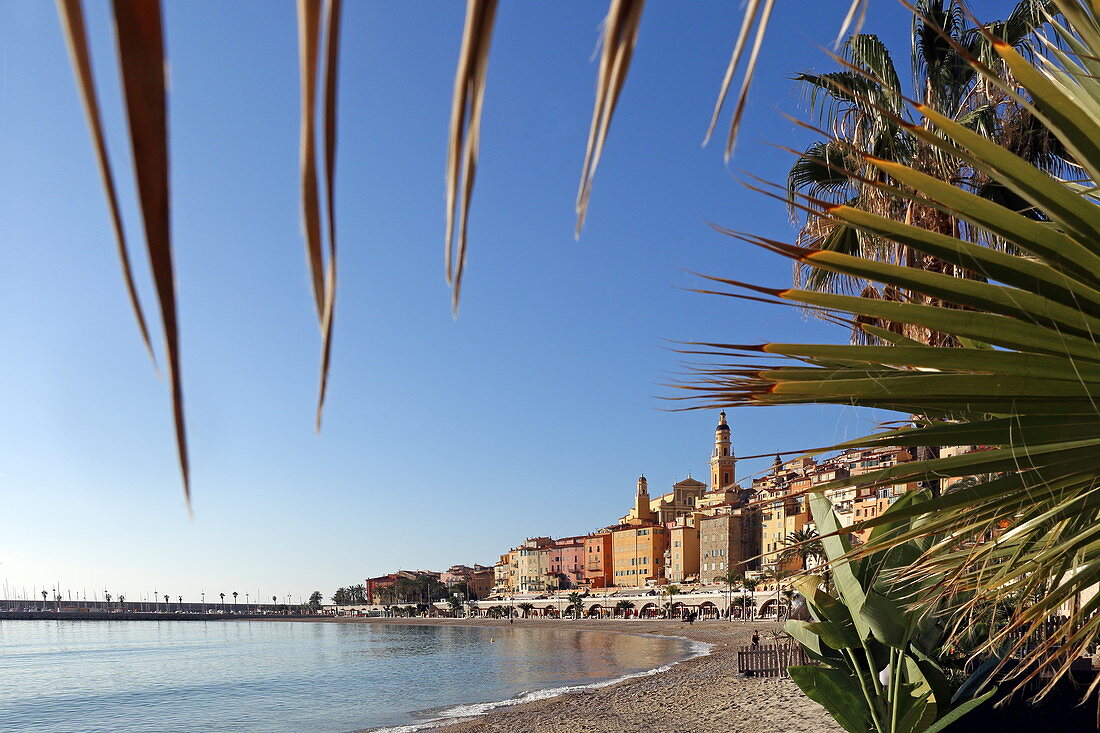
{"x":576,"y":604}
{"x":179,"y":600}
{"x":525,"y":607}
{"x":864,"y":111}
{"x":748,"y":584}
{"x":165,"y":601}
{"x":624,"y":606}
{"x":1021,"y":383}
{"x":788,"y":596}
{"x":670,"y":591}
{"x":803,"y":546}
{"x":223,"y":601}
{"x":456,"y":605}
{"x":729,"y":579}
{"x":107,"y":597}
{"x":235,"y":601}
{"x":43,"y":599}
{"x":121,"y":601}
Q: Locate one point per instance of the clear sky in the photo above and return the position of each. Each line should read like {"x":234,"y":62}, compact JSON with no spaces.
{"x":444,"y":441}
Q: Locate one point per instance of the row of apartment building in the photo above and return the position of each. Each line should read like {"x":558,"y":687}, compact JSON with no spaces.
{"x":693,"y":534}
{"x":699,"y":532}
{"x":469,"y":582}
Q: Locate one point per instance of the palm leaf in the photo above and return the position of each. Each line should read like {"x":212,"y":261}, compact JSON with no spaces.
{"x":757,"y":13}
{"x":1024,"y":381}
{"x":462,"y":149}
{"x":322,"y":275}
{"x":620,"y":34}
{"x":72,"y":16}
{"x":141,"y":59}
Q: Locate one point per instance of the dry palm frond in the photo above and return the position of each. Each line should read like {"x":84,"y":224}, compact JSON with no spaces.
{"x":309,"y":25}
{"x":462,"y":149}
{"x":141,"y":58}
{"x":323,"y":277}
{"x":620,"y":35}
{"x":72,"y":17}
{"x":757,"y":14}
{"x":332,"y":55}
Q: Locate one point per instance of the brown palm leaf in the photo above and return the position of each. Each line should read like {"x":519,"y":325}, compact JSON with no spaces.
{"x":72,"y":17}
{"x":322,"y":275}
{"x":462,"y":149}
{"x":620,"y":34}
{"x":141,"y":58}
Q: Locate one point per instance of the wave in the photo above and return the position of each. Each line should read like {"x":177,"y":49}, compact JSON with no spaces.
{"x":471,"y":710}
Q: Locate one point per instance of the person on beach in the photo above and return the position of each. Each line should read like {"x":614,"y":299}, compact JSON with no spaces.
{"x":756,"y":637}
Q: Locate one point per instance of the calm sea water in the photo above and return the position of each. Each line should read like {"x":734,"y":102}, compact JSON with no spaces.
{"x":125,"y":677}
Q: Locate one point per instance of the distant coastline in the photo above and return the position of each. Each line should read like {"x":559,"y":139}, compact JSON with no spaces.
{"x":143,"y":616}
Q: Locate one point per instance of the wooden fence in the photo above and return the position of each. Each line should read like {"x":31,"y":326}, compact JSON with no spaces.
{"x":770,"y":660}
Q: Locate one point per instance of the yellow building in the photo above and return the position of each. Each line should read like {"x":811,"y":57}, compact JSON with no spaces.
{"x":504,"y":573}
{"x":784,"y":510}
{"x":682,"y":556}
{"x":638,"y":554}
{"x":682,"y":501}
{"x":532,"y":565}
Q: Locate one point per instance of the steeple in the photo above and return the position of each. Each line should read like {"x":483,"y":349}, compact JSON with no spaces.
{"x":777,"y":465}
{"x":722,"y":460}
{"x":642,"y":510}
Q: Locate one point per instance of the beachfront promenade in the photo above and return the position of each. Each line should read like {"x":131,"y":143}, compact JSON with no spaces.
{"x":647,"y":603}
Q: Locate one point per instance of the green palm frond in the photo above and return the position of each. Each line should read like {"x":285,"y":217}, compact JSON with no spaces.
{"x":868,"y":52}
{"x":1023,"y":381}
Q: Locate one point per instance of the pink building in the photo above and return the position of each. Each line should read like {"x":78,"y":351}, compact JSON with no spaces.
{"x":566,"y":562}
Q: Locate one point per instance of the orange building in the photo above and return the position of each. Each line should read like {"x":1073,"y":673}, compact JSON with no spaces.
{"x":638,"y":554}
{"x":597,"y":560}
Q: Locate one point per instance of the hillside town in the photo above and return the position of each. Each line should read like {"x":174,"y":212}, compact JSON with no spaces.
{"x":698,"y":539}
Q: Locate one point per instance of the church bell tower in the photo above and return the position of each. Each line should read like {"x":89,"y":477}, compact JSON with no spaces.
{"x":642,"y":512}
{"x":723,"y":463}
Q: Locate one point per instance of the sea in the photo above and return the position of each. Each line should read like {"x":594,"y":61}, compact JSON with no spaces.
{"x":290,"y":677}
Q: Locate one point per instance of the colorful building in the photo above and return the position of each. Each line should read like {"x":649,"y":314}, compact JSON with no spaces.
{"x":638,"y":554}
{"x":532,"y":565}
{"x":598,"y":564}
{"x":682,"y":556}
{"x":567,"y":563}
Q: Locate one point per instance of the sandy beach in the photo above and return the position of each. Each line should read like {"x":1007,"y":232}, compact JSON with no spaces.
{"x":701,"y":694}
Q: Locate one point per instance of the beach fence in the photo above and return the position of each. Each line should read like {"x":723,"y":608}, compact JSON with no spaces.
{"x":770,"y":660}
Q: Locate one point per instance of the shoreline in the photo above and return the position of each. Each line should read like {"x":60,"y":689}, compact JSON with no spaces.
{"x":700,"y":693}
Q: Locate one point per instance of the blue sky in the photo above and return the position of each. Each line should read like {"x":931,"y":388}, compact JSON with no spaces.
{"x":444,"y":441}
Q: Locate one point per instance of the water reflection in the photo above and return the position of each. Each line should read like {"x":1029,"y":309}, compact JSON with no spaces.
{"x":127,"y":677}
